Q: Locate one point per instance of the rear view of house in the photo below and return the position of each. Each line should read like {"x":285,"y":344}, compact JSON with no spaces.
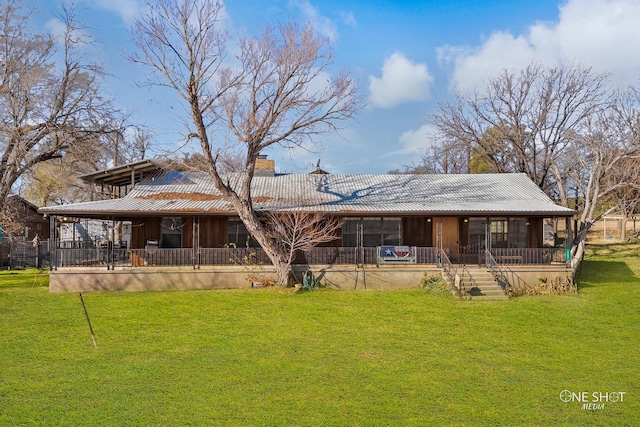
{"x":179,"y":219}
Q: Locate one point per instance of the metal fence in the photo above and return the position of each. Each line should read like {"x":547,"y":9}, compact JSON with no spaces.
{"x":110,"y":256}
{"x":511,"y":256}
{"x":18,"y":254}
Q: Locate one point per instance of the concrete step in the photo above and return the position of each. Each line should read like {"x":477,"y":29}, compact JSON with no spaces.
{"x":484,"y":291}
{"x":487,"y":297}
{"x":478,"y":284}
{"x":481,"y":285}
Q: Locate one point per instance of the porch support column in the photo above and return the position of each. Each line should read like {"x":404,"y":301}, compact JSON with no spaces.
{"x":111,"y":245}
{"x":53,"y":243}
{"x":195,"y":246}
{"x":569,"y":241}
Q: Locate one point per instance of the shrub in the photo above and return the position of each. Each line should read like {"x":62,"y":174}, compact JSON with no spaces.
{"x":435,"y":284}
{"x":559,"y":285}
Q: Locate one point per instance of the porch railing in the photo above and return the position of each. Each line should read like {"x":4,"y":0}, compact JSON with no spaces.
{"x":110,"y":256}
{"x":511,"y":256}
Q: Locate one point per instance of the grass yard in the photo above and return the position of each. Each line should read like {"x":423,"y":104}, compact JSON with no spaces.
{"x":327,"y":358}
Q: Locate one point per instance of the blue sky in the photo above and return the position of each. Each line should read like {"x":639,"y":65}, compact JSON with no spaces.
{"x":406,"y":55}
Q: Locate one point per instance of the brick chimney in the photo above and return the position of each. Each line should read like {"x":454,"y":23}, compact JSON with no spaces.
{"x":264,"y":166}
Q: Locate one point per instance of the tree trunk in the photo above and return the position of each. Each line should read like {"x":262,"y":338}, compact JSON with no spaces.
{"x":270,"y":246}
{"x":577,"y":255}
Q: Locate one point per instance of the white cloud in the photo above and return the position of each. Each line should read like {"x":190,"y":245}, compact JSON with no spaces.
{"x":413,"y":141}
{"x":348,"y":18}
{"x":401,"y":81}
{"x":127,"y":9}
{"x":603,"y":34}
{"x":320,"y":23}
{"x":58,"y":30}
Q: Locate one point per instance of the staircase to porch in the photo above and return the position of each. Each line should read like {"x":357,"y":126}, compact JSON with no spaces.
{"x":478,"y":283}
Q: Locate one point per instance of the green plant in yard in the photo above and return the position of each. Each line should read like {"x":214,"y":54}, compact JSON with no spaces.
{"x":271,"y":356}
{"x":435,"y":284}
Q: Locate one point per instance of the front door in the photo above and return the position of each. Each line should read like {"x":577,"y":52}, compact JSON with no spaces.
{"x":447,"y":234}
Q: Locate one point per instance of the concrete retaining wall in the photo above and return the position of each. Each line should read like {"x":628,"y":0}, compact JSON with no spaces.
{"x":343,"y":277}
{"x":85,"y":279}
{"x":532,"y":275}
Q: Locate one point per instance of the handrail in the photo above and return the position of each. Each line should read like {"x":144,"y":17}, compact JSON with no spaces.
{"x":447,"y":266}
{"x":501,"y":276}
{"x":474,"y":284}
{"x":497,"y":272}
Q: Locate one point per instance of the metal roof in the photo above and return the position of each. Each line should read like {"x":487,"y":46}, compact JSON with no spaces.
{"x":186,"y":193}
{"x":124,"y":174}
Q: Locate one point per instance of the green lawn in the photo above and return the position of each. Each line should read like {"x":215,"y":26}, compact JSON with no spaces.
{"x":326,"y":358}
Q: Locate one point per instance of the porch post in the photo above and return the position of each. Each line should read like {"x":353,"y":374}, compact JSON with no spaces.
{"x":195,"y":245}
{"x":111,"y":246}
{"x":53,"y":244}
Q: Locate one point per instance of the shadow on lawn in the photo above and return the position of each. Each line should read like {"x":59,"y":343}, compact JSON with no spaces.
{"x":594,"y":273}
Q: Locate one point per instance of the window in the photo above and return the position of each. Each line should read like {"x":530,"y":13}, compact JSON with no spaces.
{"x":171,"y":231}
{"x":374,"y":231}
{"x":499,"y":232}
{"x":391,"y":231}
{"x":518,"y":233}
{"x":238,"y":236}
{"x":505,"y":232}
{"x":477,"y":233}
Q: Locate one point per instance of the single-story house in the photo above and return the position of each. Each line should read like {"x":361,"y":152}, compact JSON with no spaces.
{"x":397,"y":221}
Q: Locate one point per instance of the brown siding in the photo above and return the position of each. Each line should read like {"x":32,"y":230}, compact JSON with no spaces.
{"x":464,"y":231}
{"x":536,"y":232}
{"x":187,"y":232}
{"x":417,"y":231}
{"x":143,"y":229}
{"x":213,"y":232}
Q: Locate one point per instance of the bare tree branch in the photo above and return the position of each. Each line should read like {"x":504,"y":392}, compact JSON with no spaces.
{"x":280,"y":93}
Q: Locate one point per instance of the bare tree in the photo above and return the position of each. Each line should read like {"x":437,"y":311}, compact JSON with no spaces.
{"x":50,"y":99}
{"x":441,"y":156}
{"x":519,"y":121}
{"x":607,"y":151}
{"x":280,"y":93}
{"x":562,"y":126}
{"x":301,"y":231}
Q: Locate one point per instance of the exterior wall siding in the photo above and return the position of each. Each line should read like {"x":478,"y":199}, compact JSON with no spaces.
{"x":416,"y":231}
{"x":143,"y":229}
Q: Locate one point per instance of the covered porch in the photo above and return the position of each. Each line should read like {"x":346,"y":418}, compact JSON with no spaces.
{"x":111,"y":256}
